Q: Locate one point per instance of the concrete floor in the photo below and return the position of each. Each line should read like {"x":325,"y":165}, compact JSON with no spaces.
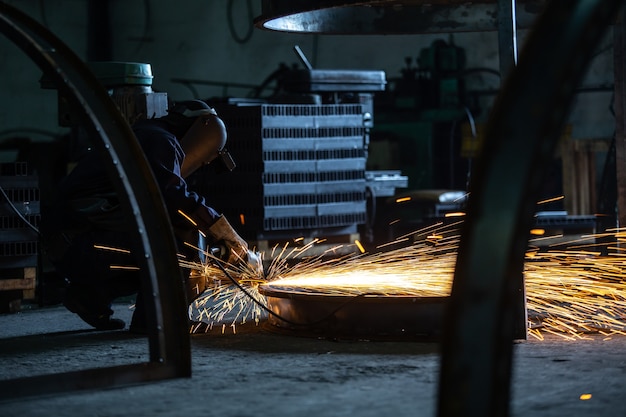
{"x":256,"y":372}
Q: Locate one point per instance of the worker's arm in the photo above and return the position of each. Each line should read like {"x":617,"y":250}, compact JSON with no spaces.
{"x":166,"y":156}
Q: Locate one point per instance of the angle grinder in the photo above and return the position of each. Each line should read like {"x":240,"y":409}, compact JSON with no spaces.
{"x":252,"y":260}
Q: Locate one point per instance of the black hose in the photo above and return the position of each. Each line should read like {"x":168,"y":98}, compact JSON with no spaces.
{"x":269,"y":311}
{"x":20,"y":215}
{"x":231,"y":25}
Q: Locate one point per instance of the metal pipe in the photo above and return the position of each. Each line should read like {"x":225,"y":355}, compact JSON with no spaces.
{"x":170,"y":353}
{"x":507,"y":36}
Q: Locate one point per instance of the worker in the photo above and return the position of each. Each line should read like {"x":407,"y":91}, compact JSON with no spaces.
{"x":87,"y":232}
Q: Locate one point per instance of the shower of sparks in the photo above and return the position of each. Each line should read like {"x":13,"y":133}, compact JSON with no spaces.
{"x":572,"y":288}
{"x":124,"y":267}
{"x":551,"y":200}
{"x":223,"y":305}
{"x":388,"y":273}
{"x":111,"y":249}
{"x":187,"y":217}
{"x":424,"y":269}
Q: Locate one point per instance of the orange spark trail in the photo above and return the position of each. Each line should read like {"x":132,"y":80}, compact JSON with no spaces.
{"x":570,"y":291}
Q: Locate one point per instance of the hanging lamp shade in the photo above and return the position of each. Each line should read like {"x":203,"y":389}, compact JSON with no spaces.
{"x":388,"y":16}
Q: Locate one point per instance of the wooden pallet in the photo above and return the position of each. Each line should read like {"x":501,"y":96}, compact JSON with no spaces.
{"x":16,"y":284}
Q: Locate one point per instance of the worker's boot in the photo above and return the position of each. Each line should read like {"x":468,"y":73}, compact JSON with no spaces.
{"x":86,"y":305}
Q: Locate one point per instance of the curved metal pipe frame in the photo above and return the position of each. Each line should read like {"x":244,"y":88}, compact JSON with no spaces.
{"x":162,"y":285}
{"x":522,"y":132}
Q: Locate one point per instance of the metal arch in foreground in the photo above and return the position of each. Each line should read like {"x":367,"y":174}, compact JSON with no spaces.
{"x":521,"y":135}
{"x":170,"y":352}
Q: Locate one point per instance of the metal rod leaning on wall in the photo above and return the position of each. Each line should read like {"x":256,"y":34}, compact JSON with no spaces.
{"x":522,"y":131}
{"x":169,"y":344}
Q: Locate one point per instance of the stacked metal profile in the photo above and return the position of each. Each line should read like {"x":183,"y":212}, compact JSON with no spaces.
{"x":18,"y":242}
{"x":300,"y":170}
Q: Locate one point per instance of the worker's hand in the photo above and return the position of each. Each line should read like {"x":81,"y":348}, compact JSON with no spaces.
{"x":221,"y":230}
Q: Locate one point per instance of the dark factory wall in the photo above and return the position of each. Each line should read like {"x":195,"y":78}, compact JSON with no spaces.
{"x":213,"y":42}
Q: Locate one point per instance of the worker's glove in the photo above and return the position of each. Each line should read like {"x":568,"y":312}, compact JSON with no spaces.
{"x":222,"y":231}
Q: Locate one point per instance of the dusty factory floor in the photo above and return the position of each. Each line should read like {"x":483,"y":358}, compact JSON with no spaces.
{"x":256,"y":372}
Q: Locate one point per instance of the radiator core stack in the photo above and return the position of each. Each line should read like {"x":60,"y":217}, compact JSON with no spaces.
{"x":301,"y":157}
{"x":300,"y":170}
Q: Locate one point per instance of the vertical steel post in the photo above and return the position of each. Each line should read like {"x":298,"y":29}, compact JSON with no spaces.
{"x":507,"y":36}
{"x":619,"y":66}
{"x":507,"y":47}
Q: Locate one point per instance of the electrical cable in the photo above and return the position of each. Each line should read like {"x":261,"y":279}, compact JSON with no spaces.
{"x":451,"y":154}
{"x":277,"y":77}
{"x":231,"y":24}
{"x":472,"y":123}
{"x":147,"y":32}
{"x":20,"y":215}
{"x":269,"y":311}
{"x":44,"y":17}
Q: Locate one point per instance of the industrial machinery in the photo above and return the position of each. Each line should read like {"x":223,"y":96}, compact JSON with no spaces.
{"x":484,"y":314}
{"x":301,"y":157}
{"x":300,"y":169}
{"x":128,"y":84}
{"x":419,"y":119}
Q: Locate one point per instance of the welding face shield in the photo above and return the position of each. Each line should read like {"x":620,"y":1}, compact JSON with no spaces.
{"x":223,"y":163}
{"x":204,"y":143}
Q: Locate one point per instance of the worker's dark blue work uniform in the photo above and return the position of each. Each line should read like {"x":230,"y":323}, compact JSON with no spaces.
{"x":87,"y":220}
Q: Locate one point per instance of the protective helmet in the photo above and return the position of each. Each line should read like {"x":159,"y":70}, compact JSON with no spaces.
{"x":204,"y":138}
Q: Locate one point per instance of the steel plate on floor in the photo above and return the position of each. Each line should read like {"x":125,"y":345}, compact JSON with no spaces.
{"x":360,"y":317}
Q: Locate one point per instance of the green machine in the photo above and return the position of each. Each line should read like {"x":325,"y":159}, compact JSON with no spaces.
{"x":418,"y":120}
